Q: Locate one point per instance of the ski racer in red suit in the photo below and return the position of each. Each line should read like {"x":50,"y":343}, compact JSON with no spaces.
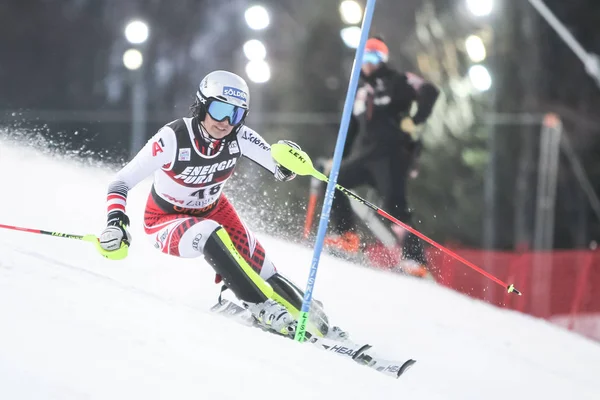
{"x":187,"y":214}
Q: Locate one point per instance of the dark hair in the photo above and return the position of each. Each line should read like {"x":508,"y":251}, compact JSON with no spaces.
{"x":195,"y":108}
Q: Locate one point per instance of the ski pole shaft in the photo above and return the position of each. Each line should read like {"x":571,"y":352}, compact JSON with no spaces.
{"x":42,"y":232}
{"x":412,"y":230}
{"x":113,"y":255}
{"x":299,"y":162}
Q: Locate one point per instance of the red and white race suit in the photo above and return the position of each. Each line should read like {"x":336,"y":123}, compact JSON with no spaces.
{"x":186,"y":202}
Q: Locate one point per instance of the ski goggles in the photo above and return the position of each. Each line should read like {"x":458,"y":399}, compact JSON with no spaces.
{"x":220,"y":111}
{"x":372,"y":57}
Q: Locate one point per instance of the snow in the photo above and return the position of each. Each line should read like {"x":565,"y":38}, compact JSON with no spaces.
{"x":77,"y":326}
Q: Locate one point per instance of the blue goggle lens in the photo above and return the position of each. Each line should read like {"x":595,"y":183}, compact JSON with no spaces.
{"x":219,"y":111}
{"x":371,"y":57}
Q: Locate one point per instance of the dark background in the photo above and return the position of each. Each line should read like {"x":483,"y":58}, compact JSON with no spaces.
{"x":63,"y":88}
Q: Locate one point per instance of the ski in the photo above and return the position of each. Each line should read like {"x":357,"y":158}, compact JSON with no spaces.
{"x":360,"y":353}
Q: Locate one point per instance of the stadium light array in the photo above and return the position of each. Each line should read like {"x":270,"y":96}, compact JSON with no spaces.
{"x":257,"y":17}
{"x":351,"y":12}
{"x":258,"y":71}
{"x":480,"y":78}
{"x":133,"y":59}
{"x":475,"y":48}
{"x":480,"y":8}
{"x":254,"y":49}
{"x":136,"y":32}
{"x":351,"y":36}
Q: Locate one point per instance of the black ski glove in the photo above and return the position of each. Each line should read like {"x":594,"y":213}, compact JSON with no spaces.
{"x":115,"y":232}
{"x":282,"y":173}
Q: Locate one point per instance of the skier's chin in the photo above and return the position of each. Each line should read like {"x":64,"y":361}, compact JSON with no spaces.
{"x":219,"y":133}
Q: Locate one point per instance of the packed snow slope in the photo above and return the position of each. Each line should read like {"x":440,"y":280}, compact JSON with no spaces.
{"x":74,"y":325}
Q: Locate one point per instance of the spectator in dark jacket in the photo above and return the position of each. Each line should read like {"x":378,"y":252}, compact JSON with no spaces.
{"x":380,"y":148}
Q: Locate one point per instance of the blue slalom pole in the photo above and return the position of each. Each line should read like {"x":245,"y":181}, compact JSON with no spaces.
{"x":335,"y":168}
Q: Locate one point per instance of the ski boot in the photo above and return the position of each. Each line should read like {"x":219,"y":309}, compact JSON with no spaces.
{"x":336,"y":333}
{"x":273,"y":316}
{"x":288,"y":294}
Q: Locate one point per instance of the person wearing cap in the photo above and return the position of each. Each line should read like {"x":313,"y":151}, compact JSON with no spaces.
{"x":380,"y":149}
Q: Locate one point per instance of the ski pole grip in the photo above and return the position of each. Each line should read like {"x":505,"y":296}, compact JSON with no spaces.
{"x":118,"y":254}
{"x":295,"y":160}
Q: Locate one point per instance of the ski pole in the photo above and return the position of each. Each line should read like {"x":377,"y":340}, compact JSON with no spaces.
{"x":299,"y":162}
{"x":118,"y":254}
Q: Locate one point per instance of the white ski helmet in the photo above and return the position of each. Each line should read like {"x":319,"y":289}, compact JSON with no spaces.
{"x":223,"y":87}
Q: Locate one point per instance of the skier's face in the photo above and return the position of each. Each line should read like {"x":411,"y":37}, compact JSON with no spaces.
{"x":368,"y":68}
{"x":216,"y":129}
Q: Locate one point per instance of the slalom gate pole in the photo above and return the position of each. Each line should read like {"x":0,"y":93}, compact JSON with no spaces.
{"x":113,"y":255}
{"x":300,"y":163}
{"x":312,"y":204}
{"x":337,"y":158}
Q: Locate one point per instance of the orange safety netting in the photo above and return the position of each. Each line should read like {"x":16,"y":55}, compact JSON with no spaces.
{"x":561,"y":286}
